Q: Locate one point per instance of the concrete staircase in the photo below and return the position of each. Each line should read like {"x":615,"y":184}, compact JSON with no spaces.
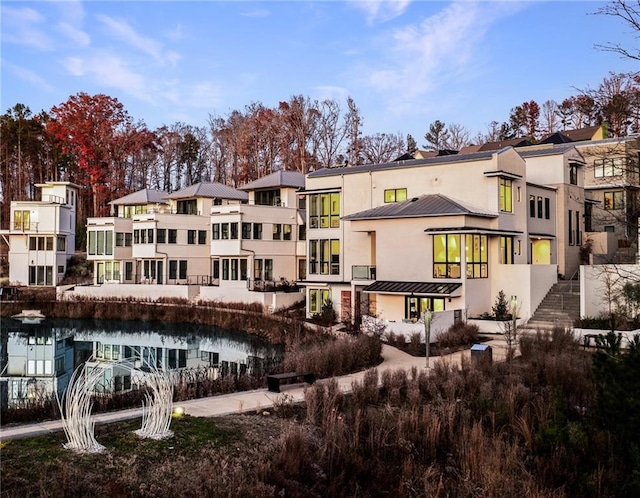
{"x":560,"y":307}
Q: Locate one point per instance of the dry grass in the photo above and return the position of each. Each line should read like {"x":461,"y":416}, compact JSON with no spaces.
{"x":524,"y":429}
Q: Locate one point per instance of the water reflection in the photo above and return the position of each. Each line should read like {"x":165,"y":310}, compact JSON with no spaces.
{"x":37,"y":360}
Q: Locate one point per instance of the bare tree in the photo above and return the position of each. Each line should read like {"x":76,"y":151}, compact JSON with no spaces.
{"x":330,"y":132}
{"x":629,"y":13}
{"x":458,"y":136}
{"x":382,"y":147}
{"x":617,"y":102}
{"x":549,"y":116}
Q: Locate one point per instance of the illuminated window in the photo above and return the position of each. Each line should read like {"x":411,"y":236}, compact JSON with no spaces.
{"x":446,"y":256}
{"x":476,"y":256}
{"x":506,"y":202}
{"x":395,"y":195}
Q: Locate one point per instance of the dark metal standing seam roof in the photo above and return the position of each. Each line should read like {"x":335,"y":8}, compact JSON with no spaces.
{"x":347,"y":170}
{"x":424,"y":288}
{"x":423,"y":206}
{"x":278,"y":179}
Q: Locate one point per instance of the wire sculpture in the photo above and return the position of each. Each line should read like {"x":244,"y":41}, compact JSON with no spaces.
{"x":157,"y":406}
{"x":76,"y":412}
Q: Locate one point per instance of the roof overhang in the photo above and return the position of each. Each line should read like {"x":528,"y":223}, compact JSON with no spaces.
{"x":541,"y":236}
{"x":503,"y":174}
{"x":473,"y":230}
{"x":320,"y":190}
{"x":430,"y":289}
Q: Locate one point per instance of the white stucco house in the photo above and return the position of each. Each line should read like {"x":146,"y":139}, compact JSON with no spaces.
{"x":445,"y":233}
{"x":207,"y":241}
{"x":42,"y":235}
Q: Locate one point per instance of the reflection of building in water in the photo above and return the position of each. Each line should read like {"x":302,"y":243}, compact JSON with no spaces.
{"x":38,"y":360}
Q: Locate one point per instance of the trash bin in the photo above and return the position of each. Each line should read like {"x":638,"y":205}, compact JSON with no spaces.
{"x":481,"y":353}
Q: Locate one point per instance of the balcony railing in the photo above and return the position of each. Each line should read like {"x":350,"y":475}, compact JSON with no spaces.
{"x":136,"y":278}
{"x":363,"y":272}
{"x":281,"y":285}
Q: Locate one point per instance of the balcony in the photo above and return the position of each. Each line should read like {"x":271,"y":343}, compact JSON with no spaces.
{"x":363,"y":272}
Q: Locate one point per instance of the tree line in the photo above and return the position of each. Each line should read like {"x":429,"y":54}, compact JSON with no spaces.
{"x":93,"y":141}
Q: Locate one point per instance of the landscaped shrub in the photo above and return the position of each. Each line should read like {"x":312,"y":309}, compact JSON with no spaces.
{"x":500,"y":308}
{"x":459,"y":334}
{"x":327,"y":315}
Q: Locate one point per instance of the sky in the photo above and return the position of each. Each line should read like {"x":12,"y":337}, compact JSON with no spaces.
{"x":405,"y":63}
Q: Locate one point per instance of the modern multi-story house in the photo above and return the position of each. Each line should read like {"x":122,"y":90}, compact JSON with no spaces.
{"x":42,"y":235}
{"x":256,"y":245}
{"x":561,"y":168}
{"x":612,"y":183}
{"x":206,"y":241}
{"x":444,"y":233}
{"x":157,"y":238}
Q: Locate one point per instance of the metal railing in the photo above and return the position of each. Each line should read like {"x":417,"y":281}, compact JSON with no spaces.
{"x":282,"y":285}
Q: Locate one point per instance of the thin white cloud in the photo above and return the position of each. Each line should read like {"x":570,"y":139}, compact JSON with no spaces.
{"x":28,"y":76}
{"x":443,"y":47}
{"x":377,"y":11}
{"x":111,"y":71}
{"x":256,"y":13}
{"x":203,"y":95}
{"x":323,"y":92}
{"x":175,"y":34}
{"x":25,"y":26}
{"x":72,"y":11}
{"x":125,"y":32}
{"x":75,"y":35}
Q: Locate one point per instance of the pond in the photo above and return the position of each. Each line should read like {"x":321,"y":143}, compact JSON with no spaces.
{"x":38,"y":359}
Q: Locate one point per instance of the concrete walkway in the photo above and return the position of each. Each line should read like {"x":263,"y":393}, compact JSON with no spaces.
{"x":259,"y":399}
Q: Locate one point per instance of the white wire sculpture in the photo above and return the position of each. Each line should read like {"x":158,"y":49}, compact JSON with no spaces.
{"x":76,"y":412}
{"x":158,"y":405}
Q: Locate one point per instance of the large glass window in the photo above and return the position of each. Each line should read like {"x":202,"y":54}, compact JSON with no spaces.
{"x":100,"y":242}
{"x":317,"y":298}
{"x":324,"y":257}
{"x":506,"y":250}
{"x":414,"y":307}
{"x":277,"y":231}
{"x":573,"y":173}
{"x":234,"y":230}
{"x":395,"y":195}
{"x":215,"y":231}
{"x":476,"y":256}
{"x":532,"y":206}
{"x":506,"y":201}
{"x":613,"y":200}
{"x":286,"y":232}
{"x":246,"y":231}
{"x":324,"y":210}
{"x":446,"y":256}
{"x":173,"y":236}
{"x":161,"y":235}
{"x":202,"y":237}
{"x":191,"y":236}
{"x":182,"y":270}
{"x":610,"y":166}
{"x":267,"y":197}
{"x":257,"y":231}
{"x":21,"y":220}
